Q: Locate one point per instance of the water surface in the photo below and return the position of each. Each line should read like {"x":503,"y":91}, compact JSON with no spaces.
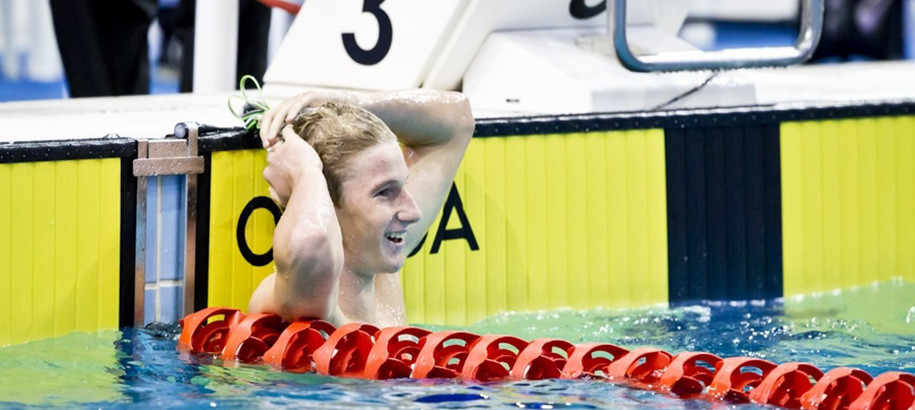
{"x":872,"y":328}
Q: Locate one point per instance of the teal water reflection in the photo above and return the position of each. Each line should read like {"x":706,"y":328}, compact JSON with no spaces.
{"x":871,"y":328}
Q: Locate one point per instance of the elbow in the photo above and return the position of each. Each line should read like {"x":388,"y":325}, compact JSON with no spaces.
{"x":464,"y":123}
{"x":310,"y":251}
{"x":308,"y":272}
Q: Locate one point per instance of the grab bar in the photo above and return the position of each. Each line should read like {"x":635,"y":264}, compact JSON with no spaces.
{"x":809,"y":36}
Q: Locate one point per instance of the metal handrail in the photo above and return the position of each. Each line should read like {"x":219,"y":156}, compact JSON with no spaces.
{"x":809,"y":35}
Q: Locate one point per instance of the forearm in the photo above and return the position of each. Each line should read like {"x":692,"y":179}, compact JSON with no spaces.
{"x":307,"y":251}
{"x":421,"y":117}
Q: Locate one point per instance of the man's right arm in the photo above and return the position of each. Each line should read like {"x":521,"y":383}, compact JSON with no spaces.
{"x":307,"y":243}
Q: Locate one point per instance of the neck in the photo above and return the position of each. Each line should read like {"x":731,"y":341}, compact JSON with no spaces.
{"x":357,"y":296}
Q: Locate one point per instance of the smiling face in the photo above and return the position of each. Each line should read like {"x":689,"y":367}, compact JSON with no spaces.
{"x":375,"y":210}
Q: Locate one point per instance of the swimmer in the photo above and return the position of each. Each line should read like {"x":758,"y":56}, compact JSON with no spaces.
{"x":361,"y":177}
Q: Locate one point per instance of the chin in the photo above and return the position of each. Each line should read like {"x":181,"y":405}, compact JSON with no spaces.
{"x":395,"y":265}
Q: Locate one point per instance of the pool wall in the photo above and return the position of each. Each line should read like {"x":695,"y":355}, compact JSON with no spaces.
{"x":624,"y":210}
{"x":848,"y":188}
{"x":580,"y":211}
{"x":67,"y":237}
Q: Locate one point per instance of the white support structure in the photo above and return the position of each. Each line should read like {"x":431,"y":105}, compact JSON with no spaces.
{"x":565,"y":71}
{"x":215,"y":45}
{"x":549,"y":63}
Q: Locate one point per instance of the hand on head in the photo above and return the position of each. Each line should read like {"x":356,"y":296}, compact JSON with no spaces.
{"x":278,"y":117}
{"x":288,"y":157}
{"x":287,"y":152}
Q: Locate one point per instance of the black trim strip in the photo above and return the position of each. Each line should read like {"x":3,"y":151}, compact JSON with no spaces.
{"x":128,"y":242}
{"x":202,"y":269}
{"x":733,"y":116}
{"x":772,"y":203}
{"x":229,"y":139}
{"x":67,"y":150}
{"x":215,"y":139}
{"x":723,"y":213}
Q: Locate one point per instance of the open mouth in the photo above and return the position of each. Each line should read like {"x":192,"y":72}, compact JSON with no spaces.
{"x":396,"y":237}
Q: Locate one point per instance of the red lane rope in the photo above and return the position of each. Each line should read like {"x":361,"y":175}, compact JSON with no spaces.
{"x":364,"y":351}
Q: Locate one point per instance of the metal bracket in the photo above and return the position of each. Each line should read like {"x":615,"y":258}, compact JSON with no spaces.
{"x":170,"y":156}
{"x":809,"y":36}
{"x":173,"y":155}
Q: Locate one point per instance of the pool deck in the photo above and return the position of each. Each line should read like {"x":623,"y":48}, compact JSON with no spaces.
{"x":154,"y":116}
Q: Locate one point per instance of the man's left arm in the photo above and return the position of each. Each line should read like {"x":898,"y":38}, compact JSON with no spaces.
{"x":435,"y":128}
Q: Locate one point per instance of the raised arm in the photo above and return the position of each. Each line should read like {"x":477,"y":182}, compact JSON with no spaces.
{"x":434,"y":126}
{"x":307,"y":243}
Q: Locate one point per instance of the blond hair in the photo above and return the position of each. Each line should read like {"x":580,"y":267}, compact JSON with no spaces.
{"x":338,"y":132}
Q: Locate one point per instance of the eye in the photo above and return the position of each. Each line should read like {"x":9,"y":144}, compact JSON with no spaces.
{"x":388,"y":192}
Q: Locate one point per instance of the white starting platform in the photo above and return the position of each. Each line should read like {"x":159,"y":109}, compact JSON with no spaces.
{"x":510,"y":57}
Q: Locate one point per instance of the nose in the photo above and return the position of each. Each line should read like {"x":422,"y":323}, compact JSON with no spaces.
{"x":408,"y":212}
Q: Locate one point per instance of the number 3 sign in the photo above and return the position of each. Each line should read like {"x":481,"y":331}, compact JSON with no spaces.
{"x":368,"y":44}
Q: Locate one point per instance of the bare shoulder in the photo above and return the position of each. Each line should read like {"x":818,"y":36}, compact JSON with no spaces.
{"x":263,"y":300}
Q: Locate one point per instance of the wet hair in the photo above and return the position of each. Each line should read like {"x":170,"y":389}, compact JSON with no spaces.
{"x":338,"y":132}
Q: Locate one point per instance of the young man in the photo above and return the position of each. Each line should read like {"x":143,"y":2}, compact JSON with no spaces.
{"x":361,"y":177}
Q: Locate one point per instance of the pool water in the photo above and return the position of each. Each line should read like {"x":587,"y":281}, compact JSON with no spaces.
{"x":871,"y":328}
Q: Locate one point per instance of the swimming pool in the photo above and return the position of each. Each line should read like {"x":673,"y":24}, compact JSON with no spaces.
{"x":870,"y":327}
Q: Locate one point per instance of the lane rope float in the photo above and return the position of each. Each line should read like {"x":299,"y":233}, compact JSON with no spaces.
{"x":364,"y":351}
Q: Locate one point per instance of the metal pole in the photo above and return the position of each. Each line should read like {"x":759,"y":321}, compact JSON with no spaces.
{"x":139,"y":294}
{"x":190,"y":244}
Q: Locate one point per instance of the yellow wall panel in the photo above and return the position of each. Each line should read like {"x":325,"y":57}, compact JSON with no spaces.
{"x":867,"y":199}
{"x":473,"y":192}
{"x":22,"y":238}
{"x":577,"y":207}
{"x":221,"y":234}
{"x":67,"y":232}
{"x":618,"y":228}
{"x":636,"y":195}
{"x":813,"y":221}
{"x":87,"y":266}
{"x":597,"y":215}
{"x":848,"y":192}
{"x":905,"y":198}
{"x":59,"y":247}
{"x":887,"y":186}
{"x":110,"y":239}
{"x":792,"y":229}
{"x":829,"y":182}
{"x":235,"y":180}
{"x":562,"y":221}
{"x":538,"y":237}
{"x":6,"y":253}
{"x":242,"y":273}
{"x":516,"y":233}
{"x":43,"y":255}
{"x":655,"y":178}
{"x":557,"y":252}
{"x":495,"y":207}
{"x":848,"y":208}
